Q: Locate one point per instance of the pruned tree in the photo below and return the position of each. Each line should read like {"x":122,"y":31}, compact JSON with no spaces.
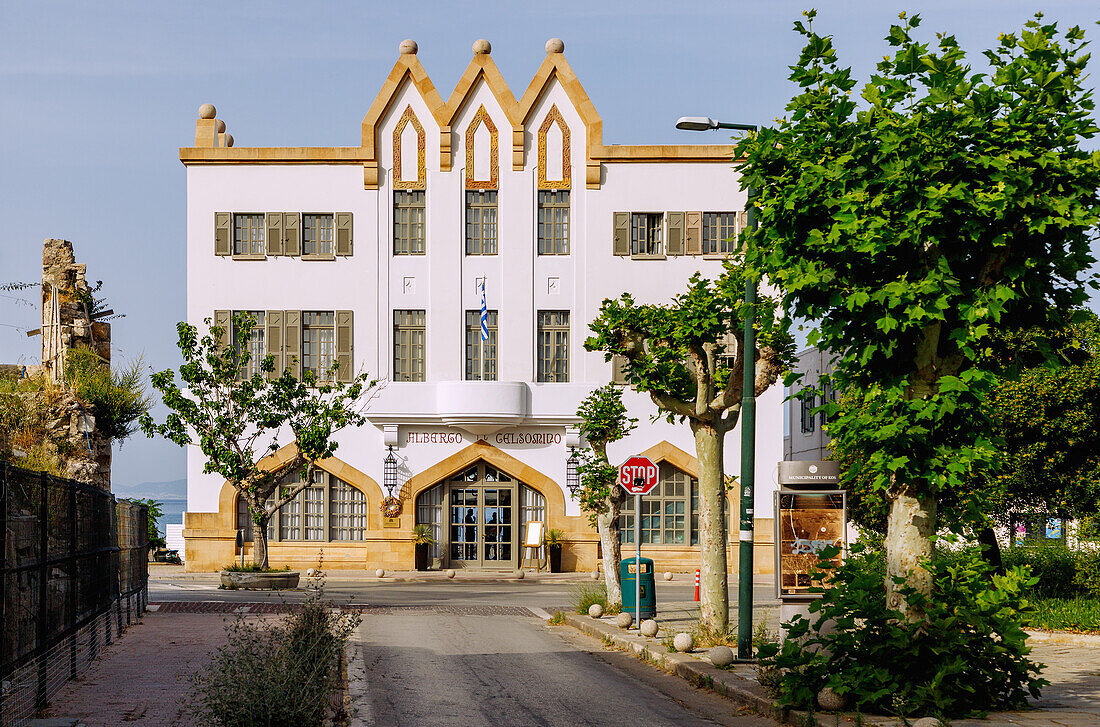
{"x":237,"y":421}
{"x":908,"y":227}
{"x":604,"y":420}
{"x":687,"y":357}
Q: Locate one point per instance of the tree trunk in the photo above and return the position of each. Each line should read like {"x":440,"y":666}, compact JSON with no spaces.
{"x":714,"y":600}
{"x":259,"y":540}
{"x":991,"y":549}
{"x":612,"y":545}
{"x":909,"y":528}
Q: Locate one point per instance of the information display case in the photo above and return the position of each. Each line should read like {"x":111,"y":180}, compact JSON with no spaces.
{"x":806,"y":522}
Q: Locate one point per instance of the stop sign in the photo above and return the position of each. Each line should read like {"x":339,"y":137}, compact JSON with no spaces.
{"x":638,"y":468}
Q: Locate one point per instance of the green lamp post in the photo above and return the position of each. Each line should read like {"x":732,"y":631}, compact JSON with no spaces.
{"x":748,"y":419}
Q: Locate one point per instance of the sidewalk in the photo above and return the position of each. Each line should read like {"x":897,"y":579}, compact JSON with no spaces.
{"x":1073,"y":669}
{"x":162,"y":572}
{"x":141,"y":679}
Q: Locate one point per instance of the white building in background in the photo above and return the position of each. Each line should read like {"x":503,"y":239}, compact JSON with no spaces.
{"x":376,"y":254}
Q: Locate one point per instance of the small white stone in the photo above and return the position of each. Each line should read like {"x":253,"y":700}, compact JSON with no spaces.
{"x":555,"y":45}
{"x":207,"y":111}
{"x":683,"y":642}
{"x":311,"y":572}
{"x":482,"y":47}
{"x":668,"y":575}
{"x":595,"y":575}
{"x":623,"y":620}
{"x":380,"y":573}
{"x":720,"y":656}
{"x":408,"y":47}
{"x":649,"y":628}
{"x":219,"y":126}
{"x":830,"y":701}
{"x":519,"y":575}
{"x":450,"y":574}
{"x":595,"y":610}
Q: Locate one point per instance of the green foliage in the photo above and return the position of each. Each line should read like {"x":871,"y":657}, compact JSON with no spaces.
{"x":154,"y":510}
{"x":1066,"y":614}
{"x":1053,"y":567}
{"x":26,"y":406}
{"x":278,"y":674}
{"x":553,"y":536}
{"x":603,"y":420}
{"x":557,"y":619}
{"x":948,"y":205}
{"x":237,"y":421}
{"x":1087,"y":575}
{"x":253,"y":568}
{"x":115,"y":397}
{"x":585,"y":594}
{"x":969,"y":656}
{"x":706,"y":636}
{"x":422,"y":534}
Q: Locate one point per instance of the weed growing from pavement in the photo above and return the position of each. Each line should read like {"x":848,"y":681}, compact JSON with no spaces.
{"x":557,"y":619}
{"x":706,"y":637}
{"x":608,"y":642}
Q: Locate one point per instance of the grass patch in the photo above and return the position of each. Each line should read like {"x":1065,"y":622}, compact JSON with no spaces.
{"x":706,"y":637}
{"x":253,"y":568}
{"x":585,"y":594}
{"x":1080,"y":615}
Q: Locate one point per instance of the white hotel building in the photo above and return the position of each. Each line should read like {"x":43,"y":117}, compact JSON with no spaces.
{"x":375,"y":253}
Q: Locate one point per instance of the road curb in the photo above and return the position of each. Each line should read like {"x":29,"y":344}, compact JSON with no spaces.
{"x":1066,"y":638}
{"x":703,"y":674}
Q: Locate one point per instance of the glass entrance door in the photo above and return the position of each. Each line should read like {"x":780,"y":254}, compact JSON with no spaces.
{"x":481,"y":530}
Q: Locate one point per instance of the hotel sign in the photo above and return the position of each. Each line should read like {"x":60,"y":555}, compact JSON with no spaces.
{"x":513,"y":438}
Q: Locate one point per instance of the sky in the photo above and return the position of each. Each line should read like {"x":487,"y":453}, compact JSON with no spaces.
{"x":97,"y":98}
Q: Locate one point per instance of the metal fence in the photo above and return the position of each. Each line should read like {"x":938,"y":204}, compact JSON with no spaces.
{"x":74,"y":569}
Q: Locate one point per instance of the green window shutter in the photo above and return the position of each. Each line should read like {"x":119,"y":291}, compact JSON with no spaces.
{"x":343,"y":233}
{"x":693,"y":233}
{"x":223,"y":233}
{"x":274,"y":228}
{"x":273,"y":340}
{"x":224,"y":320}
{"x":292,"y":341}
{"x":675,"y":233}
{"x":620,"y":240}
{"x":344,"y":348}
{"x":292,"y":234}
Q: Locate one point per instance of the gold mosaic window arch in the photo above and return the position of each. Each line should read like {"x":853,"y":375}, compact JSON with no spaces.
{"x":409,"y":117}
{"x":554,"y":117}
{"x":481,"y":117}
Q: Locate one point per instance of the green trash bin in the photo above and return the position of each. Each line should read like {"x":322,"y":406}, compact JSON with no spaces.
{"x":649,"y":592}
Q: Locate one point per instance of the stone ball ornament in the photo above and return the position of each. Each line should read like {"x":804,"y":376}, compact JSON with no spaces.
{"x":649,"y":628}
{"x":668,"y":574}
{"x":683,"y":642}
{"x":623,"y":620}
{"x":450,"y":574}
{"x":219,"y":126}
{"x":380,"y":573}
{"x":595,"y":575}
{"x":311,"y":573}
{"x":482,"y":47}
{"x":829,"y":700}
{"x":207,"y":111}
{"x":720,"y":656}
{"x":408,"y":47}
{"x":555,"y":45}
{"x":519,"y":575}
{"x":595,"y":610}
{"x":229,"y":140}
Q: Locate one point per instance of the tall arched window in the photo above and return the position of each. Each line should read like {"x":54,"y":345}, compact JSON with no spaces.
{"x":670,"y":512}
{"x":330,"y":509}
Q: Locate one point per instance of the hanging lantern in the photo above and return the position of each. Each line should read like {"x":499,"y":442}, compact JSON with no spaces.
{"x":389,"y":472}
{"x":572,"y":478}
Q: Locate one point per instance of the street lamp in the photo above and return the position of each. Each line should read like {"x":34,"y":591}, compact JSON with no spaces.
{"x":748,"y":416}
{"x":389,"y":472}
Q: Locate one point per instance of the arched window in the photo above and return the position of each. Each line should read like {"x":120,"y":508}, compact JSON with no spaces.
{"x":670,"y":512}
{"x":330,"y":509}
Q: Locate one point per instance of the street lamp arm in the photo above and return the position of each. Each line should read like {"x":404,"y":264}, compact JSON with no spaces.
{"x":705,"y":123}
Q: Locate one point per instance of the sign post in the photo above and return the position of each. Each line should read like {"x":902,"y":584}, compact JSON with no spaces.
{"x":638,"y":475}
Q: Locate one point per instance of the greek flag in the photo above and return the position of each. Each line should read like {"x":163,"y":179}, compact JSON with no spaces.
{"x":484,"y":315}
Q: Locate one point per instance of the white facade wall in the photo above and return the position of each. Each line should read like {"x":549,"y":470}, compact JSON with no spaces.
{"x":373,"y":283}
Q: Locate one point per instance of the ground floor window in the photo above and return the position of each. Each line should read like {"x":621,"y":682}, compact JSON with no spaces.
{"x":478,"y":516}
{"x":670,"y":512}
{"x":330,"y":509}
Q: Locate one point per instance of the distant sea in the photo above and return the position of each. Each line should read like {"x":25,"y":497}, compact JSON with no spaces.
{"x":171,"y":494}
{"x":173,"y":514}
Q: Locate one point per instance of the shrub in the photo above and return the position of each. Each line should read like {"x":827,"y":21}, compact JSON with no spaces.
{"x":586,"y":594}
{"x":116,"y":398}
{"x":253,"y":568}
{"x":278,"y":674}
{"x":1087,"y":575}
{"x":706,"y":637}
{"x":1053,"y":565}
{"x":968,"y":656}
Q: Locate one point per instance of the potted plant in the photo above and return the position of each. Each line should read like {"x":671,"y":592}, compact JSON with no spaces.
{"x":553,"y":540}
{"x":422,"y":537}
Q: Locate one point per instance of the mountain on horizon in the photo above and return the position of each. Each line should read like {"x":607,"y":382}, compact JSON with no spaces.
{"x":169,"y":490}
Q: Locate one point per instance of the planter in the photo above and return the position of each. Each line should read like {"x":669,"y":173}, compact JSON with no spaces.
{"x":555,"y":558}
{"x":423,"y":553}
{"x":276,"y":581}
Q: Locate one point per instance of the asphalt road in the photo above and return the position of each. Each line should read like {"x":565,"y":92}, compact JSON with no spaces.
{"x":447,"y":669}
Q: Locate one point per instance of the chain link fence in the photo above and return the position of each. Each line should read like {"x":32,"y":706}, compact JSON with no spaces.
{"x":75,"y":573}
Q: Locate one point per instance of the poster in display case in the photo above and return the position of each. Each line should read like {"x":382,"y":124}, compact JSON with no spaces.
{"x":806,"y":522}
